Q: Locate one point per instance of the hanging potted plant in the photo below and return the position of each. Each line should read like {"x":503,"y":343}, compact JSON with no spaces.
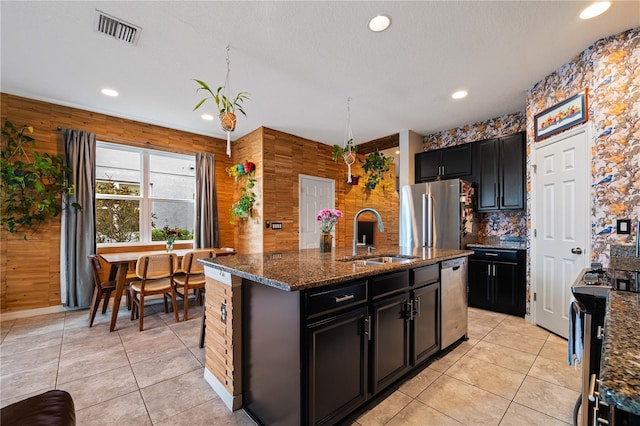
{"x":375,"y":166}
{"x":348,"y":151}
{"x":226,"y":102}
{"x":226,"y":107}
{"x":31,"y":187}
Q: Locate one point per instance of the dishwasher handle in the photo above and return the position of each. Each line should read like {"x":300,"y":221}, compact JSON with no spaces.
{"x":453,"y":264}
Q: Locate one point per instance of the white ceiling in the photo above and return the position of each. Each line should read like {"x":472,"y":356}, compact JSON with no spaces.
{"x":299,"y":60}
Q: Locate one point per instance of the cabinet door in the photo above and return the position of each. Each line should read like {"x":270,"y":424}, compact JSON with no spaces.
{"x":480,"y":284}
{"x":488,"y":185}
{"x":512,"y":172}
{"x":456,"y":161}
{"x":337,"y":369}
{"x":427,"y":165}
{"x":506,"y":288}
{"x":426,"y":322}
{"x":390,"y":340}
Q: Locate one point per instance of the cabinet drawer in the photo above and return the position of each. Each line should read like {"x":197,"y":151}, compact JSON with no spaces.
{"x":384,"y":285}
{"x":323,"y":301}
{"x":425,"y":275}
{"x":498,"y":255}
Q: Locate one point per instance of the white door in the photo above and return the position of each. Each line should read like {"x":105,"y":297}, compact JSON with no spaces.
{"x":560,"y":218}
{"x":314,"y":194}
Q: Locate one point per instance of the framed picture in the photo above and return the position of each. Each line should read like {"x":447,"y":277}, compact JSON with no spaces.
{"x":562,"y":116}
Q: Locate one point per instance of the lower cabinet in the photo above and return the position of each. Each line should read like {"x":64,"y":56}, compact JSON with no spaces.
{"x":338,"y":351}
{"x":390,"y":340}
{"x":497,"y":281}
{"x":315,"y":356}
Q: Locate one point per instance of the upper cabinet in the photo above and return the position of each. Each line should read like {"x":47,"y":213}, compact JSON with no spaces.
{"x":500,"y":173}
{"x":447,"y":163}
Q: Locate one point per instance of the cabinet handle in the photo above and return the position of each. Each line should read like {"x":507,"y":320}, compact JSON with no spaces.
{"x":600,"y":333}
{"x":417,"y":302}
{"x":491,"y":254}
{"x":494,"y":270}
{"x":367,"y":327}
{"x":344,"y":298}
{"x":442,"y":174}
{"x":410,"y":309}
{"x":489,"y":270}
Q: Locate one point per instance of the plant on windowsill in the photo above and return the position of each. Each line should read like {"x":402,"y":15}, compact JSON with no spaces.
{"x":375,"y":166}
{"x":30,"y":188}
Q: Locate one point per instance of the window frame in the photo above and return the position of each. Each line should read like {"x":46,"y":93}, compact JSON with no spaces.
{"x":144,"y":198}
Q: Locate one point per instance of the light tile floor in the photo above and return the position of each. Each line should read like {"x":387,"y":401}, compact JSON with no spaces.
{"x":509,"y":372}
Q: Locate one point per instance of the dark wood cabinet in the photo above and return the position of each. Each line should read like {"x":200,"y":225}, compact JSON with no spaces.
{"x":390,"y":340}
{"x":425,"y":324}
{"x":446,"y":163}
{"x":337,"y":374}
{"x":497,"y":280}
{"x":500,"y":173}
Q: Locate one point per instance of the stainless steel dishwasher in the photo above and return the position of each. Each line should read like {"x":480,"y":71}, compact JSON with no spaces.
{"x":453,"y":282}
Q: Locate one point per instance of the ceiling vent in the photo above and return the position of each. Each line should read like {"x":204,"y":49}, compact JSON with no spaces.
{"x":116,"y":28}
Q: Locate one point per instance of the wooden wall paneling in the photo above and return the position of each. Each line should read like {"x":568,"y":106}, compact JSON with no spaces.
{"x":21,"y":285}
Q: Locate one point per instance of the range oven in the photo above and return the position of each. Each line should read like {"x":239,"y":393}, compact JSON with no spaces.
{"x":590,"y":305}
{"x":590,"y":291}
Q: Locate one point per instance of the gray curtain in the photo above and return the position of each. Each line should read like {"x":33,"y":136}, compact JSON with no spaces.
{"x":207,"y":233}
{"x":78,"y":227}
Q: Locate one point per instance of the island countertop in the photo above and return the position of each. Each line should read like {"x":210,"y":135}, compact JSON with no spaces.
{"x":297,"y":270}
{"x":620,"y":364}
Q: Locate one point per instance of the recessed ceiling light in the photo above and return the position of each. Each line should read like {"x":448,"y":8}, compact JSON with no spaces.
{"x":595,"y":9}
{"x":459,"y":94}
{"x":207,"y":117}
{"x":109,"y":92}
{"x":379,"y":23}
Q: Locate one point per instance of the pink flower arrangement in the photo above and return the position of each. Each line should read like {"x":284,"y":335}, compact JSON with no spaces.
{"x":328,"y":218}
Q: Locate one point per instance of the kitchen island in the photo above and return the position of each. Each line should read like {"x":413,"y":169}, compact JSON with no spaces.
{"x":303,"y":337}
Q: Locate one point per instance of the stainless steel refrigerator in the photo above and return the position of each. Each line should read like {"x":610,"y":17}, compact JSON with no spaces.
{"x":438,"y":214}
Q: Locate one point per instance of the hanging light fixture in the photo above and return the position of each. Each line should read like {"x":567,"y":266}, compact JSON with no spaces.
{"x":227,"y":103}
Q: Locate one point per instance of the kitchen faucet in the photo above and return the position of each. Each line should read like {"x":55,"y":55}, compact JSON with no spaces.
{"x":355,"y":226}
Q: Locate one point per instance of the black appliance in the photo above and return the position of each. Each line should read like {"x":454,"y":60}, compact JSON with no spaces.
{"x":590,"y":291}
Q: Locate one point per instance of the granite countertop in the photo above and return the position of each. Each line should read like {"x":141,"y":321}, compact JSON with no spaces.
{"x":296,"y":270}
{"x":499,"y":245}
{"x":620,"y":364}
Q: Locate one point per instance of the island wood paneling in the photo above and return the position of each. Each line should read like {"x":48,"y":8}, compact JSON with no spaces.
{"x":30,"y":269}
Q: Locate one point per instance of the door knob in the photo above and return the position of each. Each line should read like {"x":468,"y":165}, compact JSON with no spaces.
{"x":576,"y":250}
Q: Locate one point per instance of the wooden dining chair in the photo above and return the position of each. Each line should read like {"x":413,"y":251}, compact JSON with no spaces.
{"x":192,"y":276}
{"x":155,"y":276}
{"x":101,"y":288}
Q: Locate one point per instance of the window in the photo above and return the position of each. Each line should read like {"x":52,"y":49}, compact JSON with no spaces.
{"x":141,"y":194}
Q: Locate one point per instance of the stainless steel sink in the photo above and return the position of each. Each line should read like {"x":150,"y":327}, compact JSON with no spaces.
{"x":389,"y":259}
{"x":379,"y":260}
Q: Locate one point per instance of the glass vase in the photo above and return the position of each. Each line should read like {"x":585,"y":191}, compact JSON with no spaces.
{"x":325,"y":242}
{"x":169,"y":245}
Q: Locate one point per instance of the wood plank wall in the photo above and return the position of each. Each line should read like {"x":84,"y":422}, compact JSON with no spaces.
{"x":30,"y":270}
{"x":279,"y":159}
{"x":285,"y":157}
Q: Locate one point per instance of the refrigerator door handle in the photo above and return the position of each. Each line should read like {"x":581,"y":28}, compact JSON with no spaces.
{"x":429,"y":227}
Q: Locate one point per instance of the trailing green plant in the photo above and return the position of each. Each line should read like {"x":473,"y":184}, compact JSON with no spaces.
{"x":31,"y":188}
{"x":244,"y":205}
{"x":339,"y":151}
{"x":166,"y":233}
{"x":224,"y":104}
{"x":375,"y":166}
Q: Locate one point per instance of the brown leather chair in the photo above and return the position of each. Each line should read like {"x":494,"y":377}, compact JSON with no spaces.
{"x":155,"y":276}
{"x":192,"y":276}
{"x":52,"y":408}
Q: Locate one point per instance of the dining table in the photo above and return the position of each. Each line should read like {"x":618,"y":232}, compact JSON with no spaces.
{"x":119,"y":267}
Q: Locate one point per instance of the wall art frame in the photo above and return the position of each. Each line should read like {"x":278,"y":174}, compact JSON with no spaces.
{"x":562,"y":116}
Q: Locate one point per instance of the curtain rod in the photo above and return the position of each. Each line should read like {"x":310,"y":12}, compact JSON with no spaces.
{"x":107,"y":138}
{"x":116,"y":138}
